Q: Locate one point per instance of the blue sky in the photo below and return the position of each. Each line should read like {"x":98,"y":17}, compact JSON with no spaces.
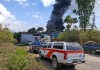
{"x":20,"y":15}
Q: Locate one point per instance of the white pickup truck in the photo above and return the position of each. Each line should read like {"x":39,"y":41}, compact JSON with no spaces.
{"x":69,"y":53}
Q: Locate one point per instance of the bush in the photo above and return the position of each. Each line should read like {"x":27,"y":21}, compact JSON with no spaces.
{"x":17,"y":60}
{"x":21,"y":60}
{"x":69,"y":36}
{"x":80,"y":36}
{"x":6,"y":35}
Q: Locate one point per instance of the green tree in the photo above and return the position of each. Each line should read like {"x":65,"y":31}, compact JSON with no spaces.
{"x":85,"y":9}
{"x":32,"y":30}
{"x":69,"y":21}
{"x":93,"y":25}
{"x":17,"y":36}
{"x":75,"y":27}
{"x":74,"y":21}
{"x":40,"y":29}
{"x":68,"y":26}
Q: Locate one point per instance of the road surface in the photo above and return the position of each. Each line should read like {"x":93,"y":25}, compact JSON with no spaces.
{"x":92,"y":63}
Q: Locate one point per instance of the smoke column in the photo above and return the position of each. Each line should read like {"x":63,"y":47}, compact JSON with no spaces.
{"x":55,"y":24}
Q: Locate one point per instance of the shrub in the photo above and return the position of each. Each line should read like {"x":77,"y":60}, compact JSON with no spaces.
{"x":6,"y":35}
{"x":17,"y":60}
{"x":80,"y":36}
{"x":69,"y":36}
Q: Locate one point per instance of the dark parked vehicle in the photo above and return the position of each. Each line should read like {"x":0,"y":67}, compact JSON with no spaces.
{"x":35,"y":46}
{"x":91,"y":48}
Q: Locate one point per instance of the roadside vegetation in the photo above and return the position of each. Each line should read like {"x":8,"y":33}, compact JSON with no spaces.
{"x":80,"y":36}
{"x":17,"y":58}
{"x":6,"y":35}
{"x":13,"y":57}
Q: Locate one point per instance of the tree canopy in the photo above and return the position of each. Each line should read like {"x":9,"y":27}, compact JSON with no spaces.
{"x":32,"y":30}
{"x":85,"y":9}
{"x":40,"y":29}
{"x":70,"y":21}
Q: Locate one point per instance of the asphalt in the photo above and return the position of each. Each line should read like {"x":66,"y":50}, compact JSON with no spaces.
{"x":92,"y":63}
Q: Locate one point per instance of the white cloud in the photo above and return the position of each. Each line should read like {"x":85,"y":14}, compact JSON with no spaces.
{"x":47,"y":2}
{"x":21,"y":2}
{"x":37,"y":16}
{"x":7,"y":18}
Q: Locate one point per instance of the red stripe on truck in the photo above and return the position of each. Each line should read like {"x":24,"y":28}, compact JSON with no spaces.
{"x":51,"y":51}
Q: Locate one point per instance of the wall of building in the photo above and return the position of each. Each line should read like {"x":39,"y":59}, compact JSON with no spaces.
{"x":27,"y":38}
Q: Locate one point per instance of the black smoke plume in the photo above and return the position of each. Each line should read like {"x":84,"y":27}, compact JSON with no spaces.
{"x":55,"y":24}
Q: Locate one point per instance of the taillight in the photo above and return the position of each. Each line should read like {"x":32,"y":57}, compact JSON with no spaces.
{"x":65,"y":56}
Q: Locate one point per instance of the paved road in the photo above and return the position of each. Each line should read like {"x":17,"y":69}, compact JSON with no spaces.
{"x":92,"y":63}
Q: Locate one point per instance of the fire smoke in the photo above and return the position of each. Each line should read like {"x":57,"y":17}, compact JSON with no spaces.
{"x":55,"y":24}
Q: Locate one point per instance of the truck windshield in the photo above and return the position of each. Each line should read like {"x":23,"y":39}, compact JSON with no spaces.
{"x":37,"y":43}
{"x":73,"y":46}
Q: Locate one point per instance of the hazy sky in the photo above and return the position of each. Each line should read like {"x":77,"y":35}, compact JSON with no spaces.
{"x":24,"y":14}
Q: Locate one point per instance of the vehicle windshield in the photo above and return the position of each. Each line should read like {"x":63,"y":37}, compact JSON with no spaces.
{"x":36,"y":43}
{"x":73,"y":46}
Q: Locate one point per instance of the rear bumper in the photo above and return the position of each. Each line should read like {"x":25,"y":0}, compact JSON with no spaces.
{"x":34,"y":48}
{"x":75,"y":62}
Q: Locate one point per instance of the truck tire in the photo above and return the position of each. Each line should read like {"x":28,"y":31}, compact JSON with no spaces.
{"x":73,"y":66}
{"x":55,"y":63}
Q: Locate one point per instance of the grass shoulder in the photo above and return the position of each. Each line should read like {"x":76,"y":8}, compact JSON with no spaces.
{"x":18,"y":58}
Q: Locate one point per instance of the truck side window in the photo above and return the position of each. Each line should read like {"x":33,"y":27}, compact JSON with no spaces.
{"x":70,"y":47}
{"x":73,"y":46}
{"x":49,"y":45}
{"x":58,"y":45}
{"x":45,"y":46}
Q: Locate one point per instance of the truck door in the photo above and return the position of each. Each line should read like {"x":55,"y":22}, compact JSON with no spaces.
{"x":59,"y":47}
{"x":49,"y":45}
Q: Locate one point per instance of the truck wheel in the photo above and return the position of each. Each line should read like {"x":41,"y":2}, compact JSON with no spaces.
{"x":73,"y":66}
{"x":55,"y":63}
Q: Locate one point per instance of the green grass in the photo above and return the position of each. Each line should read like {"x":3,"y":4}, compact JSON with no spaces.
{"x":17,"y":58}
